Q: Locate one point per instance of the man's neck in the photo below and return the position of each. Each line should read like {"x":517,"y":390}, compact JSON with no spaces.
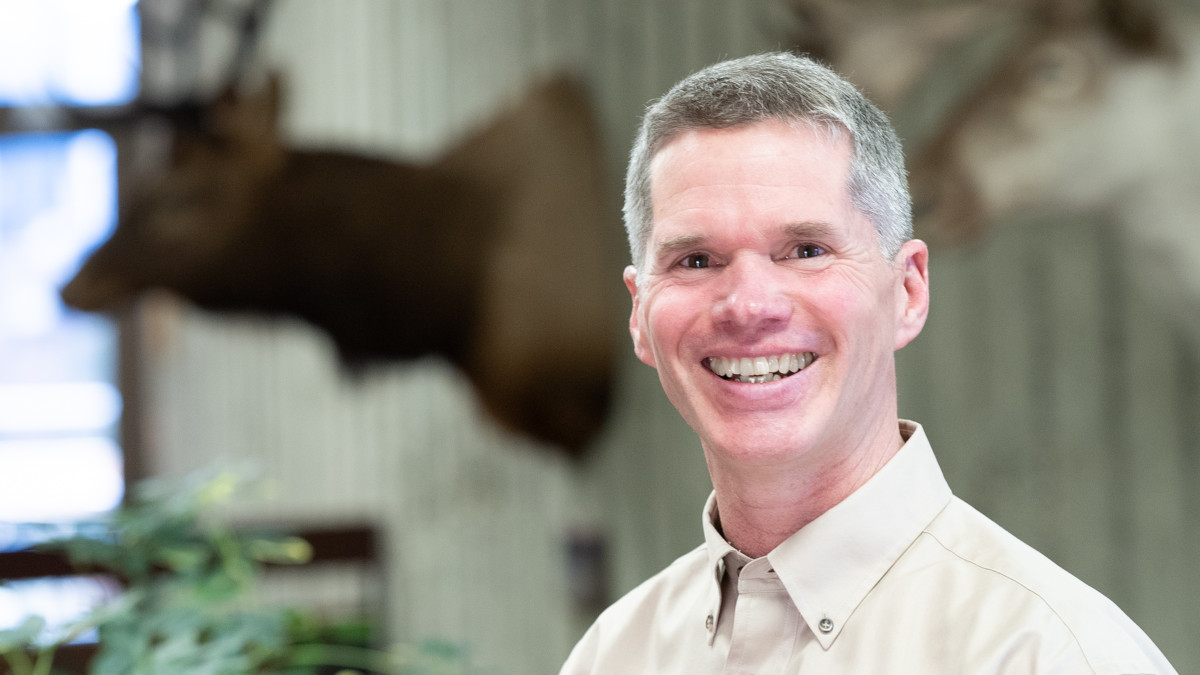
{"x":761,"y":506}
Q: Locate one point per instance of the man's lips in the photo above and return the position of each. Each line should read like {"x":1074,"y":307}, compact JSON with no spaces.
{"x":759,"y":369}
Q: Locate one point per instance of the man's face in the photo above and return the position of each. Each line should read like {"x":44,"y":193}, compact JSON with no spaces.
{"x":758,"y":258}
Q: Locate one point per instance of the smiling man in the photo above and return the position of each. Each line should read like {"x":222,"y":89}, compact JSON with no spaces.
{"x":774,"y":276}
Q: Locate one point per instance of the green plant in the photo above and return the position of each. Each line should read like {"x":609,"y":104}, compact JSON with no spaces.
{"x":188,"y":606}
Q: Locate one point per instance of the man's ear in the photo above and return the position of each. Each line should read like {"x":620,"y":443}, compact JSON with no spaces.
{"x":912,"y":291}
{"x":641,"y":346}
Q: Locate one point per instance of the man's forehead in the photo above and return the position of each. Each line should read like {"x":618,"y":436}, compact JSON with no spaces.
{"x":763,"y":162}
{"x":726,"y":147}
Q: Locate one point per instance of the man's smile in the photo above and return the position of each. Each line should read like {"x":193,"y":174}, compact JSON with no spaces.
{"x":759,"y":369}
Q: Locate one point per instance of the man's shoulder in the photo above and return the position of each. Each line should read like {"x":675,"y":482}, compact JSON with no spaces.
{"x":973,"y":539}
{"x":1008,"y":583}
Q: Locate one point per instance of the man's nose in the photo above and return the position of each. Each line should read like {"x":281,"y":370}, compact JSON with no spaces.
{"x":753,"y":297}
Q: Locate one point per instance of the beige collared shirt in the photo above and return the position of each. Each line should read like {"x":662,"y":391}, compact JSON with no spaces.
{"x":901,"y":577}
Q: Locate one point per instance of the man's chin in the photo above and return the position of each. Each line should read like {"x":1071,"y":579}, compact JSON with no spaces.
{"x":756,"y":442}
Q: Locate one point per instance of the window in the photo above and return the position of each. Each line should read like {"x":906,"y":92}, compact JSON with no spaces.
{"x":60,"y":408}
{"x":68,"y":52}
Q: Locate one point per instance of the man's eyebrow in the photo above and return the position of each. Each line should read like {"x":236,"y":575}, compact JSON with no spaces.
{"x":675,"y":245}
{"x":802,"y":230}
{"x":810,"y":229}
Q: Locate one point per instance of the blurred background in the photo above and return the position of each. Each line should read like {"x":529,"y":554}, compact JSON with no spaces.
{"x":1055,"y":153}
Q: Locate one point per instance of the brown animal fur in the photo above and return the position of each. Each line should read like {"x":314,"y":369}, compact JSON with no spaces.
{"x":487,"y":258}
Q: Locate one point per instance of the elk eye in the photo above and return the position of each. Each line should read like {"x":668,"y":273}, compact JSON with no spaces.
{"x":695,"y":261}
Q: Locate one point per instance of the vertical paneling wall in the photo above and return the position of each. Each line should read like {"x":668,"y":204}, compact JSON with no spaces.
{"x":1059,"y":401}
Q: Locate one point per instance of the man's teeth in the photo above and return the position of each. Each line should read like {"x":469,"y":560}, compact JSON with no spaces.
{"x":760,"y":369}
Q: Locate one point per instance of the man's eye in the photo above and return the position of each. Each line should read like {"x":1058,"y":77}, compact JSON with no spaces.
{"x":809,"y":251}
{"x":695,"y":261}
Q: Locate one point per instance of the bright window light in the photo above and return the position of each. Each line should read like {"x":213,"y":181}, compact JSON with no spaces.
{"x":83,"y":475}
{"x":68,"y":52}
{"x":57,"y":201}
{"x":58,"y":408}
{"x":58,"y":601}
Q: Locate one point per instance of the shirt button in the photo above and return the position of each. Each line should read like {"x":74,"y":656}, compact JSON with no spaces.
{"x":826,"y":625}
{"x":708,"y":623}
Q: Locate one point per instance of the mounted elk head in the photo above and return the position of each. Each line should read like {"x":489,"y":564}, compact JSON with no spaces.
{"x":487,"y":257}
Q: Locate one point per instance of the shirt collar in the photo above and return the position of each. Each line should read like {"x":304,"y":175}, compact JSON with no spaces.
{"x":830,"y":565}
{"x":717,"y":547}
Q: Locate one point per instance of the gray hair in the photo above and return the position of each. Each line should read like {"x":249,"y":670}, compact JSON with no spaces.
{"x":789,"y":88}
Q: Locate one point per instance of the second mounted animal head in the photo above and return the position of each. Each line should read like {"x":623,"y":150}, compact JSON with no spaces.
{"x":1001,"y":103}
{"x":1066,"y":118}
